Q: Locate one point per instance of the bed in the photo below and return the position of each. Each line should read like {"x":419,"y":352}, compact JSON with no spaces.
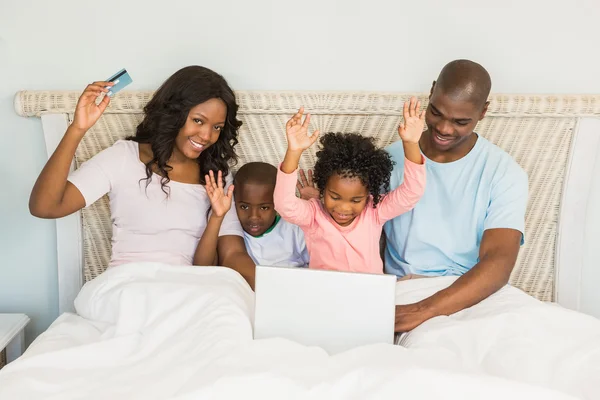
{"x":533,"y":338}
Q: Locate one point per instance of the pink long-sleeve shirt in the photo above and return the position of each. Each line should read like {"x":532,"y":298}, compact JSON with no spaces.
{"x":353,"y":248}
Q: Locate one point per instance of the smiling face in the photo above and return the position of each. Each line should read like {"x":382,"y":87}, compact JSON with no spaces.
{"x":344,"y":198}
{"x":450,"y":124}
{"x":202,"y":128}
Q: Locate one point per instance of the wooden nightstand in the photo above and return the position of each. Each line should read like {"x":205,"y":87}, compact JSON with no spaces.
{"x":12,"y":335}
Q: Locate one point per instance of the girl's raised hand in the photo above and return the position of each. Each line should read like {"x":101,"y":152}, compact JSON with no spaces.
{"x":297,"y":132}
{"x":411,"y":128}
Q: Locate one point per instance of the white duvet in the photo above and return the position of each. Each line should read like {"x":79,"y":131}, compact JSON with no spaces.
{"x":149,"y":331}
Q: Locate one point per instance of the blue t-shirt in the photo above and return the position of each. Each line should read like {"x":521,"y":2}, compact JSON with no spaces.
{"x":485,"y":189}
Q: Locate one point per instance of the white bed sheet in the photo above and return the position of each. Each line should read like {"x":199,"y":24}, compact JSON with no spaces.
{"x":514,"y":336}
{"x":151,"y":331}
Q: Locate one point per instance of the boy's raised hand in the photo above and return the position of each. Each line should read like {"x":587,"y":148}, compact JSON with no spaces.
{"x":411,"y":128}
{"x":297,"y":132}
{"x":219,"y":200}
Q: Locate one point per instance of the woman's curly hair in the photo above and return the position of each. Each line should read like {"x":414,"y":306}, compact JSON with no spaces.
{"x":353,"y":156}
{"x":167,"y":112}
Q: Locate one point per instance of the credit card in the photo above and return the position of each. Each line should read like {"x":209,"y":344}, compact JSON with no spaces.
{"x":120,"y":80}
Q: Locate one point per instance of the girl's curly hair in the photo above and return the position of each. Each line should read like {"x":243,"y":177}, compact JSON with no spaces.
{"x":353,"y":156}
{"x":167,"y":112}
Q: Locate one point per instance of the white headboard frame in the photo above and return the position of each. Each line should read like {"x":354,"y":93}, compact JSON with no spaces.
{"x":69,"y":244}
{"x":580,"y":181}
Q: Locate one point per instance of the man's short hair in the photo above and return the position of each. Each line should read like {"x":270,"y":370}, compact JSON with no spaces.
{"x":465,"y":80}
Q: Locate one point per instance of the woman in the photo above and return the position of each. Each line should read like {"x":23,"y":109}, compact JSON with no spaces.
{"x":154,"y":179}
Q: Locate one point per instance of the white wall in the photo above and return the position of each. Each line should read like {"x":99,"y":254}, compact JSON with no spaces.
{"x":530,"y":46}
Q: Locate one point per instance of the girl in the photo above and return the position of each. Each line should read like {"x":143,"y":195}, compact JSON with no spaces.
{"x":342,"y":229}
{"x":159,"y":208}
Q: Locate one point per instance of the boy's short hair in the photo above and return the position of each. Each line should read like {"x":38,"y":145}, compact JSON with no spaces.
{"x":259,"y":173}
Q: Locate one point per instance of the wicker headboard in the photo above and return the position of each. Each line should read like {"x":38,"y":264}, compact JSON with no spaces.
{"x":536,"y":130}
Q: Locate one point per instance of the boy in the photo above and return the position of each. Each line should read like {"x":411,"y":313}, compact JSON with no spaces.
{"x":270,"y":240}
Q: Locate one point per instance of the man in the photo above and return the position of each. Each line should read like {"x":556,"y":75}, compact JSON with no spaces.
{"x":470,"y":221}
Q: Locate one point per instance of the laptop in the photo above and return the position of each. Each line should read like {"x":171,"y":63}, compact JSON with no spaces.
{"x":334,"y":310}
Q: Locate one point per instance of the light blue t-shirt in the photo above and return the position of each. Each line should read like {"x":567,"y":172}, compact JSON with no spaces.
{"x":485,"y":189}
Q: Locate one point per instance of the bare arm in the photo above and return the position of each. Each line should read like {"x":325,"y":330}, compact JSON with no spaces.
{"x":206,"y":252}
{"x":52,"y":195}
{"x":291,"y":208}
{"x":291,"y":161}
{"x":412,"y":152}
{"x":220,"y":201}
{"x":232,"y":254}
{"x":298,"y":140}
{"x":497,"y":256}
{"x":405,"y":197}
